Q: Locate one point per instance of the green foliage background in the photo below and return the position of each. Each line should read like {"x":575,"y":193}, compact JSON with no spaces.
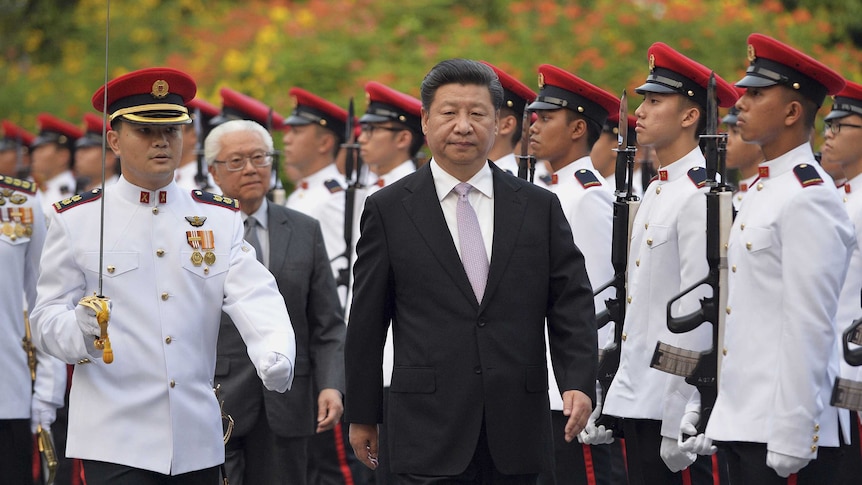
{"x":52,"y":53}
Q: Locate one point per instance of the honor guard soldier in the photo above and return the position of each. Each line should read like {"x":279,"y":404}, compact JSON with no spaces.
{"x":780,"y":356}
{"x":516,"y":97}
{"x":173,"y":260}
{"x":269,"y":443}
{"x":570,"y":114}
{"x":667,"y":255}
{"x":191,"y":174}
{"x":15,"y":150}
{"x":742,"y":157}
{"x":843,"y":147}
{"x":88,"y":157}
{"x":32,"y":381}
{"x":51,"y":159}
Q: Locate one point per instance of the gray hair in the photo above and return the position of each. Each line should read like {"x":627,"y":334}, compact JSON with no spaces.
{"x":213,"y":144}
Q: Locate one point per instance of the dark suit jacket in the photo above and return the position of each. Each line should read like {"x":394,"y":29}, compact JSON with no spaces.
{"x":456,"y":361}
{"x":298,"y":260}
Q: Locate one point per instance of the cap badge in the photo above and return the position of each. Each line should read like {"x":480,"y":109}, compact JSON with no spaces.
{"x":160,"y":89}
{"x":196,"y":221}
{"x":294,"y":101}
{"x":541,"y":80}
{"x":751,"y":54}
{"x":367,"y":100}
{"x":651,"y":62}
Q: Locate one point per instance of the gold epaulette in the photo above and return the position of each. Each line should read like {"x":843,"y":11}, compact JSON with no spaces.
{"x":215,"y":199}
{"x":25,"y":186}
{"x":77,"y":200}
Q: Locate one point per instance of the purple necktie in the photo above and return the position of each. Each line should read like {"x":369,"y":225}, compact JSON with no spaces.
{"x":473,"y":254}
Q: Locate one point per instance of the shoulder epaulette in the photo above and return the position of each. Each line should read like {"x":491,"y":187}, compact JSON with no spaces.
{"x":215,"y":199}
{"x":807,"y":175}
{"x":587,"y":178}
{"x":25,"y":186}
{"x":333,"y":186}
{"x":697,"y":175}
{"x":546,"y":178}
{"x":78,"y":199}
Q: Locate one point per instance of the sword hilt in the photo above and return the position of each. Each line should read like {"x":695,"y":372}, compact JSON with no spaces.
{"x":99,"y":304}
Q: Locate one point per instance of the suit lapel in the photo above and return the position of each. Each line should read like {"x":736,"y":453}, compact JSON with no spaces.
{"x":509,"y":207}
{"x":280,"y":234}
{"x":424,"y":210}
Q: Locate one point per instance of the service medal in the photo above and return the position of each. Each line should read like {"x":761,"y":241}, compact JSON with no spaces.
{"x":194,"y":239}
{"x":20,"y":230}
{"x":196,"y":258}
{"x":208,"y":244}
{"x":8,"y":229}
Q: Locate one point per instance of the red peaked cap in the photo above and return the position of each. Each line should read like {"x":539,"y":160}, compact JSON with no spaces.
{"x":55,"y":130}
{"x":308,"y":109}
{"x":156,"y":95}
{"x":847,"y":102}
{"x":673,"y":73}
{"x":516,"y":95}
{"x":562,"y":89}
{"x":772,"y":62}
{"x":14,"y":135}
{"x":238,"y":106}
{"x":387,"y":104}
{"x":207,"y":110}
{"x":94,"y":132}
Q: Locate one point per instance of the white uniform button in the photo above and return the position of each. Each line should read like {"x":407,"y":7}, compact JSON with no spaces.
{"x":637,"y":262}
{"x":733,"y":268}
{"x":629,"y":299}
{"x":748,"y":246}
{"x":155,"y":210}
{"x":165,"y":296}
{"x":724,"y":351}
{"x":168,"y":340}
{"x":742,"y":227}
{"x":624,"y":336}
{"x":649,"y":242}
{"x":759,"y":186}
{"x":646,"y":226}
{"x":658,"y":190}
{"x":727,"y":310}
{"x":173,"y":383}
{"x":111,"y":269}
{"x":160,"y":252}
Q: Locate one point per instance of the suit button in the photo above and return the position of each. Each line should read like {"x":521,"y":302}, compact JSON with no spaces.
{"x":168,"y":339}
{"x":160,"y":252}
{"x":165,"y":296}
{"x":624,"y":336}
{"x":477,"y":370}
{"x":173,"y":383}
{"x":482,"y":323}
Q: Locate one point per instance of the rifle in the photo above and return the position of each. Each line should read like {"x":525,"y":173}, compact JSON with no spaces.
{"x":847,"y":393}
{"x":625,"y":207}
{"x":526,"y":162}
{"x":27,"y":343}
{"x":352,"y":163}
{"x":201,"y":179}
{"x":277,"y":192}
{"x":700,"y":368}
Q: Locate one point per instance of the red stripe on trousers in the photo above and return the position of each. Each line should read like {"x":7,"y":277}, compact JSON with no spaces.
{"x":791,"y":480}
{"x":686,"y":476}
{"x":342,"y":455}
{"x":716,"y":475}
{"x":589,"y":466}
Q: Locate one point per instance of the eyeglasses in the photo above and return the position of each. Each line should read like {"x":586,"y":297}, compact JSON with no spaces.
{"x":368,"y":128}
{"x":835,"y":128}
{"x":237,"y":163}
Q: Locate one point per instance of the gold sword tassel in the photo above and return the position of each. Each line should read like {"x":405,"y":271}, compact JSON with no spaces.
{"x":99,"y":304}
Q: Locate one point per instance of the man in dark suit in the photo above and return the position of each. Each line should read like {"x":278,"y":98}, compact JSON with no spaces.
{"x":468,"y":400}
{"x":269,"y":443}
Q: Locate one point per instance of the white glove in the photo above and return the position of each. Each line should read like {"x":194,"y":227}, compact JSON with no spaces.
{"x":696,"y":443}
{"x":87,"y":322}
{"x":595,"y":435}
{"x":785,"y":465}
{"x":673,"y":457}
{"x":41,"y":413}
{"x":275,"y":371}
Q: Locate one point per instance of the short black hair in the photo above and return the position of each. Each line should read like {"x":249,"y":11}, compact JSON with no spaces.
{"x":461,"y":71}
{"x":594,"y":130}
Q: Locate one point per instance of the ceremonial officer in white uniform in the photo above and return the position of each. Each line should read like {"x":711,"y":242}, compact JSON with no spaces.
{"x":788,"y":252}
{"x":173,"y":260}
{"x":667,"y":255}
{"x":51,"y":159}
{"x":15,"y":150}
{"x":570,"y":113}
{"x":843,"y":146}
{"x":26,"y":403}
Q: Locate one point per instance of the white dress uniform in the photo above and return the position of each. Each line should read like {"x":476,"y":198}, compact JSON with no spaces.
{"x":58,"y":188}
{"x":667,"y":255}
{"x":22,"y":234}
{"x":154,"y":408}
{"x":509,"y":163}
{"x":185,"y":175}
{"x":744,"y":185}
{"x":321,"y":195}
{"x":849,"y":302}
{"x":588,"y":205}
{"x":788,"y":254}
